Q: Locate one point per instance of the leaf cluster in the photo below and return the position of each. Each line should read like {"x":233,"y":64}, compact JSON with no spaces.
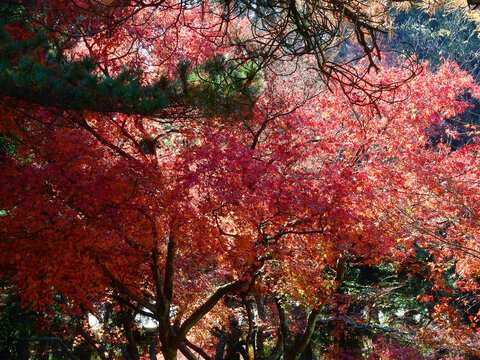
{"x":74,"y":85}
{"x":224,"y":87}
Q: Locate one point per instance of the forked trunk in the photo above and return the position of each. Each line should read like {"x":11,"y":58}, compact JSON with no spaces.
{"x":170,"y":354}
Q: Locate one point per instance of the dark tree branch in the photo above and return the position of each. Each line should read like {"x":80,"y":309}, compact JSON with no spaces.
{"x":303,"y":342}
{"x":120,"y":286}
{"x":186,"y":352}
{"x":160,"y":303}
{"x":198,"y":349}
{"x":169,"y":269}
{"x":134,"y":307}
{"x":206,"y":307}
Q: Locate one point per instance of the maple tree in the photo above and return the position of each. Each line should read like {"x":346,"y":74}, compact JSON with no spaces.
{"x":162,"y":164}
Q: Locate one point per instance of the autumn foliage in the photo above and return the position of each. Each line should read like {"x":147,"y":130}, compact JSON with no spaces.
{"x":179,"y":178}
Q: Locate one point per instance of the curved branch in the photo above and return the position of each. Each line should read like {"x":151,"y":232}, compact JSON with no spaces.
{"x":120,"y":286}
{"x":200,"y":312}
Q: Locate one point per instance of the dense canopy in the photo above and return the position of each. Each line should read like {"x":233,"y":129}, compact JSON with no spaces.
{"x":220,"y":179}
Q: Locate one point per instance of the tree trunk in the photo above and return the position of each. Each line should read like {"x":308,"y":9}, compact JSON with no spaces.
{"x":152,"y":350}
{"x":259,"y":348}
{"x":128,"y":322}
{"x":259,"y":344}
{"x":169,"y":353}
{"x":220,"y":349}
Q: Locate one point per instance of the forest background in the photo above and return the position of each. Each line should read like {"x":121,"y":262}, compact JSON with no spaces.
{"x":239,"y":179}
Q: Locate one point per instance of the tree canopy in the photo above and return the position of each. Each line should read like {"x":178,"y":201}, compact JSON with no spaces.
{"x":249,"y":178}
